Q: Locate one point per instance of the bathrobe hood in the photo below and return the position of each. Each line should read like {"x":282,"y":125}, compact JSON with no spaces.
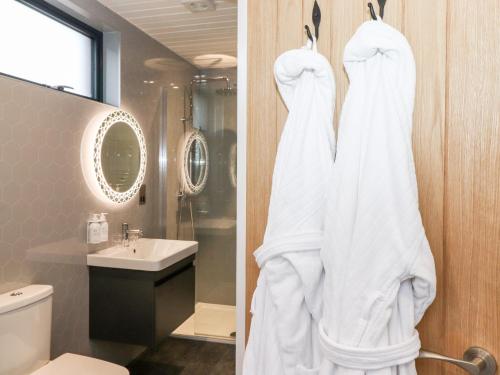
{"x":286,"y":306}
{"x":288,"y":71}
{"x":379,"y":270}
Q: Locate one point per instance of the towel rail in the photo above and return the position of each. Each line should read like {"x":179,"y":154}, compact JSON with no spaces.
{"x":476,"y":361}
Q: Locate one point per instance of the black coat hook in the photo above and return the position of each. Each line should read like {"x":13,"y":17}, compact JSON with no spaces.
{"x":308,"y":32}
{"x":381,"y":5}
{"x":316,"y":18}
{"x":372,"y":11}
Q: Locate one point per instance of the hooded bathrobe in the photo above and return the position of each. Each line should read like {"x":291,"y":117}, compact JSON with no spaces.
{"x":379,"y":270}
{"x":286,"y":305}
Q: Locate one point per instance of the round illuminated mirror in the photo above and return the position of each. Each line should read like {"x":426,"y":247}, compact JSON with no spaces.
{"x":193,"y":162}
{"x":118,"y":157}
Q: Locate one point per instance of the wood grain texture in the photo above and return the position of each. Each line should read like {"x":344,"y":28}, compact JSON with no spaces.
{"x":426,"y":33}
{"x":456,"y":139}
{"x":472,"y":210}
{"x":393,"y":15}
{"x":261,"y":127}
{"x":290,"y":34}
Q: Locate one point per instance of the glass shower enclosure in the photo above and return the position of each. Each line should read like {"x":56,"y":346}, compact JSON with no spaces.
{"x":205,"y":208}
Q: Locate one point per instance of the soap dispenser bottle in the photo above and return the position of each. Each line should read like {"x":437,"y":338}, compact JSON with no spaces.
{"x":104,"y":227}
{"x":93,"y":229}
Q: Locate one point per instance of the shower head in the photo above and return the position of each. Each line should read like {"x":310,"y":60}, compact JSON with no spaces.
{"x":202,"y":79}
{"x":228,"y":91}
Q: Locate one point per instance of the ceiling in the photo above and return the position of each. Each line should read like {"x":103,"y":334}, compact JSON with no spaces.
{"x":190,"y":35}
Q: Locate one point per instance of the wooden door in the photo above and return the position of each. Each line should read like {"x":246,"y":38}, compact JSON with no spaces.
{"x":456,"y":140}
{"x":471,"y":272}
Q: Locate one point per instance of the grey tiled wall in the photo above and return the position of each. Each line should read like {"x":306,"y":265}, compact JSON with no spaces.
{"x":44,"y":201}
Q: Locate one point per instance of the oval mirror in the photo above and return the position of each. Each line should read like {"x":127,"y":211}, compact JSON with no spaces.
{"x":193,"y":162}
{"x":114,"y":157}
{"x":120,"y":157}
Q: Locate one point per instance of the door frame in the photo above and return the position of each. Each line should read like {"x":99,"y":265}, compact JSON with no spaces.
{"x":241,"y":186}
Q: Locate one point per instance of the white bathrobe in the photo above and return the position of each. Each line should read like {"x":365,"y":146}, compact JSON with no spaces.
{"x":379,"y":270}
{"x":286,"y":305}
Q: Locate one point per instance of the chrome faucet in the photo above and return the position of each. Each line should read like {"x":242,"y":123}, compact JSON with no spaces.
{"x":135,"y":233}
{"x":127,"y":233}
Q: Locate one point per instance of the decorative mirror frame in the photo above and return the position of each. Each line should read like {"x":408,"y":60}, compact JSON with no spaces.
{"x":185,"y":144}
{"x":91,"y":157}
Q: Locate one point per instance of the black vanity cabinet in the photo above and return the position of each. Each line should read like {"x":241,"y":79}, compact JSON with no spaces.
{"x":140,"y":307}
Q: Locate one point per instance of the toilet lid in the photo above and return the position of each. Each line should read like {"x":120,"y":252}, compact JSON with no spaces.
{"x":79,"y":365}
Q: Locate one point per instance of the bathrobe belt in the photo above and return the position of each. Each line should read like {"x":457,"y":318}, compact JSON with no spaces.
{"x":287,"y":243}
{"x":369,"y":358}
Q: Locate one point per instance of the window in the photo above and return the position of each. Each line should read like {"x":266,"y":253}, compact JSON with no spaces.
{"x":41,"y":44}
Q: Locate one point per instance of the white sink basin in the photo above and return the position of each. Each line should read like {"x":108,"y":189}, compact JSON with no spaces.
{"x":147,"y":255}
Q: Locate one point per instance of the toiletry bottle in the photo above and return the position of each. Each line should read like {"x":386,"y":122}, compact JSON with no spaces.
{"x":93,"y":229}
{"x":104,"y":227}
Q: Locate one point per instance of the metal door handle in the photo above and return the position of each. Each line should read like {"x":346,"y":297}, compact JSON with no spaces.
{"x":476,"y":361}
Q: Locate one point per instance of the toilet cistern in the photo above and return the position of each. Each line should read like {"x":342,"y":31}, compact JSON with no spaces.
{"x":25,"y":338}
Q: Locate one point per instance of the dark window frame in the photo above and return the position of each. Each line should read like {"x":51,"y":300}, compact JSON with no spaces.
{"x":95,"y":36}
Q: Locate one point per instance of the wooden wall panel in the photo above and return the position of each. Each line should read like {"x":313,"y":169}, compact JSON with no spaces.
{"x":290,"y":31}
{"x":261,"y":127}
{"x":394,"y":13}
{"x":456,"y":144}
{"x":472,"y":211}
{"x":426,"y":33}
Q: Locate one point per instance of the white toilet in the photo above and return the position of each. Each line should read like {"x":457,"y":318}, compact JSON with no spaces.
{"x":25,"y":326}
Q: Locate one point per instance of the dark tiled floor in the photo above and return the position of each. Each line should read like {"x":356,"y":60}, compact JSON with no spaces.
{"x":186,"y":357}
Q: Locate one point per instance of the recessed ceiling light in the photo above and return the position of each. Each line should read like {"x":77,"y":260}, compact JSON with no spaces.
{"x":164,"y":64}
{"x":175,"y":87}
{"x":199,"y":5}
